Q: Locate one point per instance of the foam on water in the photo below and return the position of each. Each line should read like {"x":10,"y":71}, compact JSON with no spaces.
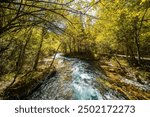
{"x":82,"y":80}
{"x":82,"y":83}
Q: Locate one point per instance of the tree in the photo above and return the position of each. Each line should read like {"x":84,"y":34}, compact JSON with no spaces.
{"x":122,"y":23}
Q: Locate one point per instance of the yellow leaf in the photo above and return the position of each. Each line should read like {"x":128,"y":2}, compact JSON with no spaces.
{"x":142,"y":1}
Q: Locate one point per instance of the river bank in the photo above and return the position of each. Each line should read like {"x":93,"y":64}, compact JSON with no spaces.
{"x":132,"y":82}
{"x":79,"y":79}
{"x":76,"y":79}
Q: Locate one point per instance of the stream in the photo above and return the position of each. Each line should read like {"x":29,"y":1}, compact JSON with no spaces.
{"x":75,"y":80}
{"x":83,"y":82}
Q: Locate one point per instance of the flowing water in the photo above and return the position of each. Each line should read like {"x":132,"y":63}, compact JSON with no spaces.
{"x":83,"y":82}
{"x":75,"y":80}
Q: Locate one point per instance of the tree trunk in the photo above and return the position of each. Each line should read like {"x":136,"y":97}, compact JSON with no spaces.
{"x":137,"y":34}
{"x":18,"y":68}
{"x":20,"y":60}
{"x":136,"y":39}
{"x":138,"y":49}
{"x":55,"y":55}
{"x":38,"y":53}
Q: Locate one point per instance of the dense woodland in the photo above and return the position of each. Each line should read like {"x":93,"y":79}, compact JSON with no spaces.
{"x":32,"y":30}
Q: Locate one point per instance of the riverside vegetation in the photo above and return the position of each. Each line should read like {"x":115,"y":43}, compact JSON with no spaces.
{"x":75,"y":49}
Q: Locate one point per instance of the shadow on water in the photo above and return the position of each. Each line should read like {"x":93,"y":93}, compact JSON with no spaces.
{"x":78,"y":80}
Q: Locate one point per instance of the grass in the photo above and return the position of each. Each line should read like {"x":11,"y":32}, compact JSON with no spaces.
{"x":24,"y":85}
{"x":114,"y":73}
{"x":7,"y":77}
